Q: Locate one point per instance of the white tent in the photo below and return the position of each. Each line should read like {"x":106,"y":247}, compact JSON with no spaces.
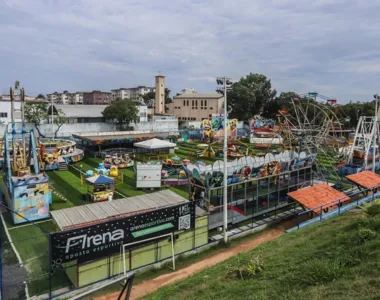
{"x":154,"y":144}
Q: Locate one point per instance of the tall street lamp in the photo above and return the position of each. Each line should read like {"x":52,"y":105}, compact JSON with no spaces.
{"x":224,"y":84}
{"x":376,"y":97}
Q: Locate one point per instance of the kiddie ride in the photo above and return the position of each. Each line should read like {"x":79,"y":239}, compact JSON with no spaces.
{"x":112,"y":172}
{"x":101,"y":182}
{"x":25,"y":189}
{"x":122,"y":161}
{"x":173,"y":171}
{"x":57,"y":154}
{"x":100,"y":188}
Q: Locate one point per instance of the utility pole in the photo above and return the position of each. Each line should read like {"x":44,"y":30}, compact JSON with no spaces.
{"x":226,"y":83}
{"x":376,"y":97}
{"x":52,"y":118}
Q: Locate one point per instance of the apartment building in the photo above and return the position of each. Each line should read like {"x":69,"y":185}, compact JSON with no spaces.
{"x":97,"y":97}
{"x":75,"y":98}
{"x":196,"y":106}
{"x":5,"y":107}
{"x":66,"y":98}
{"x":131,"y":93}
{"x":59,"y":98}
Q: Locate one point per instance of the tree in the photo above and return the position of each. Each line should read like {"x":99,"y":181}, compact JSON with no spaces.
{"x":36,"y":112}
{"x":284,"y":101}
{"x":248,"y":95}
{"x":59,"y":119}
{"x":124,"y":111}
{"x":148,"y":98}
{"x":352,"y":111}
{"x":151,"y":96}
{"x":167,"y":98}
{"x":41,"y":96}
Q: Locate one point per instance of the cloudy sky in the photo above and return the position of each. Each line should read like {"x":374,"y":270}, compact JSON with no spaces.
{"x":328,"y":46}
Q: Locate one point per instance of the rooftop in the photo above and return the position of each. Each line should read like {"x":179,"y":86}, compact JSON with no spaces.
{"x":97,"y":92}
{"x":316,"y":196}
{"x":116,"y":135}
{"x":198,"y":96}
{"x":366,"y":179}
{"x":94,"y":213}
{"x":81,"y":111}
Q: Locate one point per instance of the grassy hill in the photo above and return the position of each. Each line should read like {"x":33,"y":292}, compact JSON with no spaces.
{"x":336,"y":259}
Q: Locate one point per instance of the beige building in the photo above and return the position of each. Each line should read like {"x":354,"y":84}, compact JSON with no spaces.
{"x":196,"y":106}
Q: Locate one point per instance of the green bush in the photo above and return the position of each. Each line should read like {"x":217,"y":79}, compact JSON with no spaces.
{"x":365,"y":234}
{"x":372,"y":209}
{"x":320,"y":271}
{"x":255,"y":266}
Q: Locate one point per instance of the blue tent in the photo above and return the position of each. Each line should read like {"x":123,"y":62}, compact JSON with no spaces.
{"x":99,"y":179}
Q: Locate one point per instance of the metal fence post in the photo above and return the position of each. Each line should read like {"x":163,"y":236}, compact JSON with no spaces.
{"x":298,"y":221}
{"x":1,"y":260}
{"x":339,"y":207}
{"x":50,"y":268}
{"x":320,"y":215}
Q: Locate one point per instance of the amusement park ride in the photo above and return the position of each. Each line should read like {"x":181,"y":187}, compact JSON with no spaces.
{"x":363,"y":153}
{"x":25,"y":188}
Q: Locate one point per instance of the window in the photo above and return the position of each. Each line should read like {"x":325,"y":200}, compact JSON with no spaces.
{"x":205,"y":102}
{"x":187,"y":102}
{"x":192,"y":102}
{"x":184,"y":102}
{"x":3,"y":115}
{"x":196,"y":102}
{"x":210,"y":107}
{"x":201,"y":102}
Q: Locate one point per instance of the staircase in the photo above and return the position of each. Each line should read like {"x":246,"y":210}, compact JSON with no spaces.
{"x":62,"y":165}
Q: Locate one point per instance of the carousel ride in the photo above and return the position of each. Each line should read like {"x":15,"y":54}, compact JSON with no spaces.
{"x":25,"y":187}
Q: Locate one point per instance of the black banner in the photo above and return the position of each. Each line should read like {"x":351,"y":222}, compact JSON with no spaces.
{"x":102,"y":239}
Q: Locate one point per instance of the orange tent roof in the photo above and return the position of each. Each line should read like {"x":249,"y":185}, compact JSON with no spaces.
{"x":366,"y":179}
{"x":318,"y":195}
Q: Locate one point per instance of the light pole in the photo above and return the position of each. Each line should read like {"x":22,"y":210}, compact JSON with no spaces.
{"x":376,"y":97}
{"x":52,"y":116}
{"x":226,"y":83}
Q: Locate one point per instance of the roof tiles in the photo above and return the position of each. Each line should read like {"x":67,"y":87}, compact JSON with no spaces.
{"x":314,"y":197}
{"x":366,"y":179}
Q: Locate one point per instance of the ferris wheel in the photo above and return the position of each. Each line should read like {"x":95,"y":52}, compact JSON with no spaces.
{"x":315,"y":128}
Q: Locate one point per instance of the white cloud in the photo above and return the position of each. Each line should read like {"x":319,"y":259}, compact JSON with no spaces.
{"x":326,"y":45}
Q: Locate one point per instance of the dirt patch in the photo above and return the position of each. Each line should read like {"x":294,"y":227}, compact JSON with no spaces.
{"x":149,"y":286}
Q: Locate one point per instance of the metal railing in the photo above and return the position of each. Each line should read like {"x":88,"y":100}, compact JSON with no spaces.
{"x":339,"y":202}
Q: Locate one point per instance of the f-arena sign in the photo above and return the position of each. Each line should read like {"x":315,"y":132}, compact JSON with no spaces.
{"x":100,"y":240}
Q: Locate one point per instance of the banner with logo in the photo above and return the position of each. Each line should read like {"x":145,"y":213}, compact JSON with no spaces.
{"x":102,"y":239}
